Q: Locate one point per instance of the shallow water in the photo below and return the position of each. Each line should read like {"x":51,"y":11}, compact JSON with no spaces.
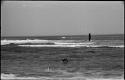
{"x":47,"y":62}
{"x":100,"y":59}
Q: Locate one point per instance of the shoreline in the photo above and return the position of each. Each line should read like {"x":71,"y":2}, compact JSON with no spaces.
{"x":14,"y":77}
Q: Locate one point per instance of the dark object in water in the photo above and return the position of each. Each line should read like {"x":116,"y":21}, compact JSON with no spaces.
{"x":89,"y":36}
{"x":65,"y":61}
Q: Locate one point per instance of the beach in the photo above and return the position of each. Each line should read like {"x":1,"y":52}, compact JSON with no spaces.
{"x":62,"y":40}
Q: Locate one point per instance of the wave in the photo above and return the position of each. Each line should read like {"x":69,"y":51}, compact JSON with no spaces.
{"x":119,"y":46}
{"x":84,"y":43}
{"x":14,"y":76}
{"x":64,"y":43}
{"x":5,"y":42}
{"x":58,"y":42}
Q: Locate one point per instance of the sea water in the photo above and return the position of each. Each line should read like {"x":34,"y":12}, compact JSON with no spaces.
{"x":38,"y":57}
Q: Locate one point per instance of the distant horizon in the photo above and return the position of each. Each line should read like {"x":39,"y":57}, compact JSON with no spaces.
{"x":63,"y":35}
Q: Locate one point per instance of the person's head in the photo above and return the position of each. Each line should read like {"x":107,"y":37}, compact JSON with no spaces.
{"x":65,"y":60}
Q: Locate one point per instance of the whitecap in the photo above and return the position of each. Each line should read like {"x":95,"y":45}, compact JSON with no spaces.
{"x":62,"y":45}
{"x":5,"y":42}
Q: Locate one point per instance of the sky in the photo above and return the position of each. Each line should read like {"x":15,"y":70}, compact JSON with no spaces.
{"x":46,"y":18}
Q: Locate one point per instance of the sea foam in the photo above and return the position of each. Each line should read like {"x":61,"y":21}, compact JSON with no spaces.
{"x":13,"y":76}
{"x":64,"y":43}
{"x":118,"y":46}
{"x":5,"y":42}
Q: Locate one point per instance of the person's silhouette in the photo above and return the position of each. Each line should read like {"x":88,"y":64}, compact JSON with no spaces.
{"x":89,"y":36}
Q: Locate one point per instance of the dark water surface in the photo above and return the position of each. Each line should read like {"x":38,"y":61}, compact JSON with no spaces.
{"x":33,"y":61}
{"x":107,"y":62}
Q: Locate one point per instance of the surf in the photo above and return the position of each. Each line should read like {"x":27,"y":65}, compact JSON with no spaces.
{"x":14,"y":76}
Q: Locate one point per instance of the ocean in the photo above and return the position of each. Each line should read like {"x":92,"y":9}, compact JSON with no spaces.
{"x":63,"y":57}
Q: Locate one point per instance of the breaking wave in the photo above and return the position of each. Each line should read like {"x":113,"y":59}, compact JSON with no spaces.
{"x":5,"y":42}
{"x":120,"y":46}
{"x":64,"y":43}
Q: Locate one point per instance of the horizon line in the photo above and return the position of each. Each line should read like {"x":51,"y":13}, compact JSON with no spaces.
{"x":63,"y":35}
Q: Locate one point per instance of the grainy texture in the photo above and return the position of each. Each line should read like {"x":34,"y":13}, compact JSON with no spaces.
{"x":23,"y":61}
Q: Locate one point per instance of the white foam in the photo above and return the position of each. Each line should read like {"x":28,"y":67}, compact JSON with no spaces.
{"x":63,"y":37}
{"x":4,"y":42}
{"x":13,"y":76}
{"x":84,"y":43}
{"x":62,"y":45}
{"x":48,"y":45}
{"x":56,"y":42}
{"x":118,"y":46}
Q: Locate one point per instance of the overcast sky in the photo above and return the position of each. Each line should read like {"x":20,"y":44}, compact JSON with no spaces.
{"x":38,"y":18}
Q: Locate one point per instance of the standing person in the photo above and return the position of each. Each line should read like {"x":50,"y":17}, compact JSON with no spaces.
{"x":89,"y":36}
